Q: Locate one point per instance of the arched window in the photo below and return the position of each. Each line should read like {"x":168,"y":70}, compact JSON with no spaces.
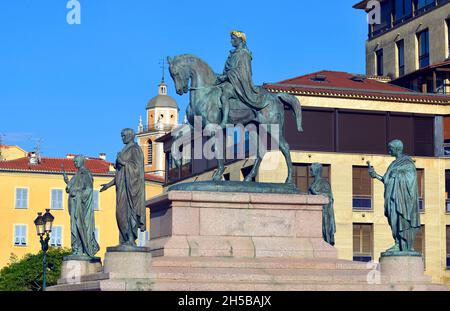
{"x":150,"y":152}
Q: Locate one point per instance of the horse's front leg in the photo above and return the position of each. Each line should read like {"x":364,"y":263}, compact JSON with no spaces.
{"x":218,"y":152}
{"x":220,"y":170}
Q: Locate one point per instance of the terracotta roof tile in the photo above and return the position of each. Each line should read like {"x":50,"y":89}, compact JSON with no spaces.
{"x":96,"y":166}
{"x":345,"y":84}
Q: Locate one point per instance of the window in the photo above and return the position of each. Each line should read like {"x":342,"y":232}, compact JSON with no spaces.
{"x":150,"y":153}
{"x":448,"y":35}
{"x":420,"y":4}
{"x":56,"y":236}
{"x":97,"y":234}
{"x":21,"y":198}
{"x":143,"y":237}
{"x":303,"y":178}
{"x":96,"y":200}
{"x":447,"y":191}
{"x":403,"y":10}
{"x":448,"y":245}
{"x":419,"y":242}
{"x":379,"y":62}
{"x":20,"y":235}
{"x":424,"y":48}
{"x":57,"y":199}
{"x":362,"y":242}
{"x":401,"y":57}
{"x":421,"y":188}
{"x":362,"y":189}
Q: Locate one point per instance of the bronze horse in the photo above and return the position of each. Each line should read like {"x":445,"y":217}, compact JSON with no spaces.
{"x":191,"y":74}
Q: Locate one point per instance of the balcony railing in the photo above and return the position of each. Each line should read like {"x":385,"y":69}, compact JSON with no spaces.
{"x":153,"y":128}
{"x":399,"y":21}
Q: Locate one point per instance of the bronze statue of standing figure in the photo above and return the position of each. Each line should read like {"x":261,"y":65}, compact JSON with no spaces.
{"x":401,"y":198}
{"x":321,"y":186}
{"x":130,"y":190}
{"x":81,"y":210}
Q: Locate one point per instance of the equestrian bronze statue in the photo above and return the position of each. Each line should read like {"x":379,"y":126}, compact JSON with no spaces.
{"x":231,"y":98}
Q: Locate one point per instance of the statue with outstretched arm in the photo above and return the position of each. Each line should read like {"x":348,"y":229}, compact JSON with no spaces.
{"x":130,"y":190}
{"x":401,"y":198}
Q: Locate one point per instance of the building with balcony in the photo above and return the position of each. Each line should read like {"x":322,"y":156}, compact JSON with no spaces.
{"x":411,"y":44}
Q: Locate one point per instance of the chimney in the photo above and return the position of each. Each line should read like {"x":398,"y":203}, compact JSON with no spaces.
{"x":102,"y":156}
{"x":33,"y":158}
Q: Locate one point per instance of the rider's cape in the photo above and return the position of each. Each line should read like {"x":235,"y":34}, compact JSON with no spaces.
{"x":238,"y":69}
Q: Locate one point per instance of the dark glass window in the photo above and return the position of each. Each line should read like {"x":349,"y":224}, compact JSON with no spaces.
{"x":448,"y":245}
{"x":447,"y":191}
{"x":421,"y":189}
{"x":403,"y":9}
{"x":379,"y":56}
{"x":401,"y":57}
{"x":363,"y":242}
{"x":448,"y":35}
{"x":362,"y":189}
{"x":424,"y":48}
{"x":149,"y":152}
{"x":303,"y":178}
{"x":420,"y":4}
{"x":371,"y":125}
{"x":318,"y":134}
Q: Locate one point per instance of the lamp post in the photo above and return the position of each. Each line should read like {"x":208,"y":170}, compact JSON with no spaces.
{"x":43,"y":225}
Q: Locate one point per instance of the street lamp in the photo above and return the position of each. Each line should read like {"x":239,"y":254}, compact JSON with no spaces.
{"x":43,"y":225}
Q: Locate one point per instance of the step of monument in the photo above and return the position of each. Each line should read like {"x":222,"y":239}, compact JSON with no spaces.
{"x":82,"y":286}
{"x":325,"y":286}
{"x":262,"y":275}
{"x":263,"y":263}
{"x":85,"y":278}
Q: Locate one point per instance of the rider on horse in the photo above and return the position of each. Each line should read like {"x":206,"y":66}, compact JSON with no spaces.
{"x":236,"y":80}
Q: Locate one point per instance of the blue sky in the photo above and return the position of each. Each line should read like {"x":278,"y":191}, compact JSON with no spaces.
{"x":76,"y":86}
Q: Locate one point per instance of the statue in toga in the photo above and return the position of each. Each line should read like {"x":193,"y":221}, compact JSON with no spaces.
{"x":130,"y":190}
{"x":321,"y":186}
{"x":401,"y":199}
{"x":81,"y":210}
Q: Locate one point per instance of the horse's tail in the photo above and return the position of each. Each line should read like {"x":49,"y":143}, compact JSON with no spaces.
{"x":295,"y":106}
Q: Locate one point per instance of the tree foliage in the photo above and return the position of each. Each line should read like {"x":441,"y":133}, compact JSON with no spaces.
{"x":26,"y":274}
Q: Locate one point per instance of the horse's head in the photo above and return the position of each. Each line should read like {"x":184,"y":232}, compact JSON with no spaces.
{"x":179,"y":74}
{"x":187,"y":67}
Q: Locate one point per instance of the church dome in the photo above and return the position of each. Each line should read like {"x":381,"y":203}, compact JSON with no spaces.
{"x":162,"y":100}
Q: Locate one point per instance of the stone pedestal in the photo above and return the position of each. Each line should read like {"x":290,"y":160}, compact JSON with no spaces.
{"x":75,"y":268}
{"x":230,"y":241}
{"x":238,"y":225}
{"x":127,"y":262}
{"x":403,"y":268}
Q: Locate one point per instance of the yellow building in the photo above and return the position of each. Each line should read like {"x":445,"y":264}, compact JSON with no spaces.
{"x":30,"y":185}
{"x":11,"y":153}
{"x":348,"y":120}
